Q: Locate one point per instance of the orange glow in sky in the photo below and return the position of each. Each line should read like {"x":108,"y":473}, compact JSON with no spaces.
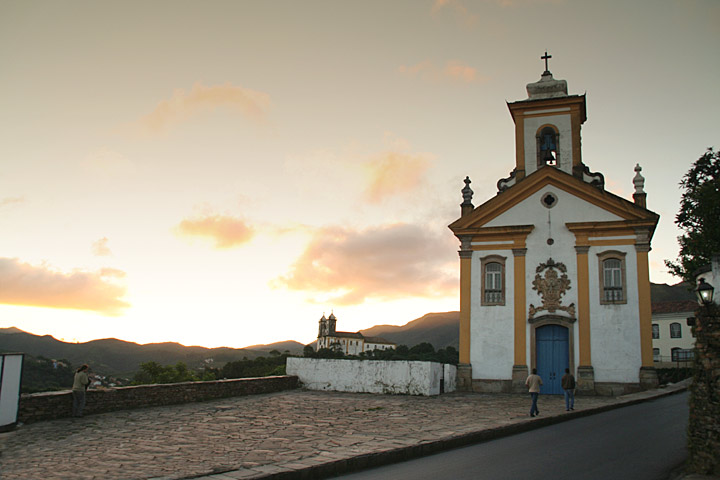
{"x":222,"y":173}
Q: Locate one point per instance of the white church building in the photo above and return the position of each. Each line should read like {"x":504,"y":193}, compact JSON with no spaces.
{"x":554,"y":268}
{"x":349,"y":343}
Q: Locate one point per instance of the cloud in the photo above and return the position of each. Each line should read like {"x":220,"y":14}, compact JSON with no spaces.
{"x":227,"y":231}
{"x":182,"y":105}
{"x":364,"y":177}
{"x":461,"y":12}
{"x":393,"y":173}
{"x":7,"y":201}
{"x":40,"y":286}
{"x":100,"y":248}
{"x":381,"y":263}
{"x":454,"y":71}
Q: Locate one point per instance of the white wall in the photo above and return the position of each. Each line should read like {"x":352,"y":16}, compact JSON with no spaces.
{"x":615,"y":329}
{"x":450,"y":377}
{"x":491,"y":327}
{"x":665,"y":343}
{"x":372,"y":376}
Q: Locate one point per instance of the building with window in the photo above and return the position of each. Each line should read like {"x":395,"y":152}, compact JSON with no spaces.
{"x":673,"y":341}
{"x":347,"y":342}
{"x":554,"y":268}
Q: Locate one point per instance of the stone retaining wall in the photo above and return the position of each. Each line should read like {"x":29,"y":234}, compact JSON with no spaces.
{"x":50,"y":405}
{"x":704,"y":422}
{"x":373,"y":376}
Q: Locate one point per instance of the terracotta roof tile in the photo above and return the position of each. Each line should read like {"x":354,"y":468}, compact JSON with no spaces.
{"x":674,"y":307}
{"x":378,"y":340}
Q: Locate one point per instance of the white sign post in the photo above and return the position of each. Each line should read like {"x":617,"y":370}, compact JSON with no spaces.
{"x":10,"y":378}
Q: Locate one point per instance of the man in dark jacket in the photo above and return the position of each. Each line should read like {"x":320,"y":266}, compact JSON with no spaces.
{"x":568,"y":385}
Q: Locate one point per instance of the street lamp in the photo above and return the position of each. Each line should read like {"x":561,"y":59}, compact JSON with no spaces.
{"x":705,"y":292}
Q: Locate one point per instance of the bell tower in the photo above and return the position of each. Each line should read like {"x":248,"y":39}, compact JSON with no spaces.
{"x":331,"y":322}
{"x":547,"y":131}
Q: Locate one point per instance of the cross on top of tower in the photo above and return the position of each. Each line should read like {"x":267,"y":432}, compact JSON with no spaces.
{"x":546,"y":57}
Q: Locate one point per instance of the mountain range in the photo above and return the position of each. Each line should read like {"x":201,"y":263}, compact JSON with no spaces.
{"x":117,"y":357}
{"x":111,"y":356}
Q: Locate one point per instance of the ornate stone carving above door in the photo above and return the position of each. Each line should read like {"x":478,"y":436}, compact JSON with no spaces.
{"x":551,"y":286}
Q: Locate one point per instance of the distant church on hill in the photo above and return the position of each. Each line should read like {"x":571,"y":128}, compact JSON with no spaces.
{"x":347,"y":342}
{"x":554,"y":268}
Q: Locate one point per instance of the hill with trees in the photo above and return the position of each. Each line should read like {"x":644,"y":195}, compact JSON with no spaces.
{"x":117,"y":357}
{"x":438,"y":329}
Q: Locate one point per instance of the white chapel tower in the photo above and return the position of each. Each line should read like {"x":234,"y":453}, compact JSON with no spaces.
{"x":554,"y":268}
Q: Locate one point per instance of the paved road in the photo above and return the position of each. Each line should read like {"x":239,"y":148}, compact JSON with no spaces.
{"x":642,"y":442}
{"x":259,"y":435}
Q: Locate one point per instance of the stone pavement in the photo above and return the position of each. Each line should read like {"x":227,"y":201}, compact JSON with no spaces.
{"x":291,"y":434}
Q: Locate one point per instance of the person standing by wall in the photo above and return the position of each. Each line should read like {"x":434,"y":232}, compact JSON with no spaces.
{"x":568,"y":386}
{"x":533,"y":383}
{"x":80,"y":385}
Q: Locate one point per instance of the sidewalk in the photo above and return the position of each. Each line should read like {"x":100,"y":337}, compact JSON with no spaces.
{"x":292,"y":434}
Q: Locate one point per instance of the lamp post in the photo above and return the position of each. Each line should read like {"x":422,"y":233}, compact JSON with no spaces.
{"x":705,"y":292}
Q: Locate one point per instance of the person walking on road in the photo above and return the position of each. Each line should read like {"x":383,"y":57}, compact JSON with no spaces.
{"x":568,"y":386}
{"x":533,"y":383}
{"x":80,"y":384}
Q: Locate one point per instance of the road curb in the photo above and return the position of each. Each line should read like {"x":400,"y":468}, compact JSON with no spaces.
{"x":299,"y":471}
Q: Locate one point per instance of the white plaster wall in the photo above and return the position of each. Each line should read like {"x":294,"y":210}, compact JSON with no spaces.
{"x":615,"y":329}
{"x":665,"y":343}
{"x":370,"y":376}
{"x":491,"y":327}
{"x":562,"y":122}
{"x":568,"y":209}
{"x":450,"y":375}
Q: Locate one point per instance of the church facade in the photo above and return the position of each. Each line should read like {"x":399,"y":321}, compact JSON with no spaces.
{"x":554,"y":269}
{"x":348,"y":343}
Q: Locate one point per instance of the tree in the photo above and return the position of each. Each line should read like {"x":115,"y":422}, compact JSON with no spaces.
{"x":154,"y":373}
{"x":699,"y":217}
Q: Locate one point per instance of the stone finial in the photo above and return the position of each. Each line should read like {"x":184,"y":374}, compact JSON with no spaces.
{"x":467,"y":193}
{"x":639,"y":180}
{"x":639,"y":196}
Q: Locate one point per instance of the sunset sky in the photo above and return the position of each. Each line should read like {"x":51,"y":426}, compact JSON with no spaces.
{"x":222,"y":173}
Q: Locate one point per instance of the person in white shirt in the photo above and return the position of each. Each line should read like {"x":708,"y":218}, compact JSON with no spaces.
{"x":533,"y":383}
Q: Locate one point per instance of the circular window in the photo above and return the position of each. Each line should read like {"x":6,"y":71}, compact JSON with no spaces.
{"x":549,"y":200}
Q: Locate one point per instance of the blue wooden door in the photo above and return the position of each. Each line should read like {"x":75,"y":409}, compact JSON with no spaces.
{"x":551,"y":348}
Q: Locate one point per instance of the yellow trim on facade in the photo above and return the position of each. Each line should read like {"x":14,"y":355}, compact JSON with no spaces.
{"x":617,"y":228}
{"x":645,"y":310}
{"x":611,"y":229}
{"x":632,"y":215}
{"x":519,"y":150}
{"x":519,"y":309}
{"x":465,"y":303}
{"x":523,"y":108}
{"x":583,"y":308}
{"x":493,"y":246}
{"x":610,"y":243}
{"x":575,"y":124}
{"x":567,"y":111}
